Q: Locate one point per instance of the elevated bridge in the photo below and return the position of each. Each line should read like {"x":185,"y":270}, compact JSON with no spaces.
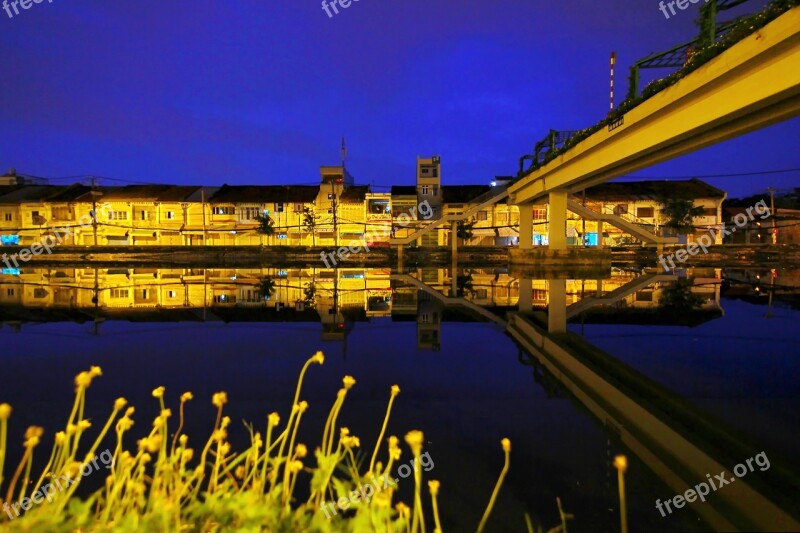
{"x":752,"y":85}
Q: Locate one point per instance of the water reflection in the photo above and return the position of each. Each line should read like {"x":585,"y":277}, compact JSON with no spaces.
{"x":669,"y":435}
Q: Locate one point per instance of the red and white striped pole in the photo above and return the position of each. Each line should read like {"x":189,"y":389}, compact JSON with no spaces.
{"x":613,"y":62}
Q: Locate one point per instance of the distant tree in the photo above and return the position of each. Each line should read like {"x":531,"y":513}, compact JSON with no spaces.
{"x":266,"y":226}
{"x":464,"y":285}
{"x":678,"y":296}
{"x":310,"y":295}
{"x":310,"y":223}
{"x":680,"y":214}
{"x":464,"y":230}
{"x":267,"y":288}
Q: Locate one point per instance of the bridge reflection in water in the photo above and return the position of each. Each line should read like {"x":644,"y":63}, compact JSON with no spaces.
{"x":673,"y":438}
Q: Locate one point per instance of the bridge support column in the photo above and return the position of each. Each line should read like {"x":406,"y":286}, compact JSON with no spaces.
{"x":525,"y":226}
{"x":525,"y":295}
{"x":557,"y":234}
{"x":454,"y":237}
{"x":400,"y":259}
{"x":557,"y":306}
{"x":599,"y":233}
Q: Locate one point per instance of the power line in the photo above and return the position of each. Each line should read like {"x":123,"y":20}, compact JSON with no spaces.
{"x":759,"y":173}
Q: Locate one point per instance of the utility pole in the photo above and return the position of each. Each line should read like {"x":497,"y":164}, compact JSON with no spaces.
{"x":94,"y":209}
{"x":772,"y":214}
{"x":203,"y":210}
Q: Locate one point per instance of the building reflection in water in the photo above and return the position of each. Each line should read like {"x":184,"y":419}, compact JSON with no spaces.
{"x":673,"y":438}
{"x":335,"y":298}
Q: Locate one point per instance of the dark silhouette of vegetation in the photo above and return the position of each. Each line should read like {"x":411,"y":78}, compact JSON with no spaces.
{"x":680,"y":214}
{"x":267,"y":288}
{"x":310,"y":223}
{"x":266,"y":226}
{"x":678,"y":297}
{"x":464,"y":230}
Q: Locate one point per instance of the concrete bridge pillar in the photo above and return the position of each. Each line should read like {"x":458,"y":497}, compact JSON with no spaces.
{"x":557,"y":233}
{"x":526,"y":226}
{"x":557,"y":306}
{"x":525,"y":295}
{"x":599,"y":233}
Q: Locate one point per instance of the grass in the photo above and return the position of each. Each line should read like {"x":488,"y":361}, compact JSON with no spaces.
{"x":170,"y":482}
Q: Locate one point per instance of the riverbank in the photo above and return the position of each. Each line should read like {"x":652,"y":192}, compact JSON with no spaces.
{"x":753,"y":256}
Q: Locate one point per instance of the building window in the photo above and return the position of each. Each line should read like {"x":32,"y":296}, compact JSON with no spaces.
{"x":423,"y":318}
{"x":119,"y":215}
{"x":331,"y":196}
{"x":224,"y":210}
{"x":172,"y":294}
{"x":540,"y":214}
{"x":9,"y":217}
{"x":251,"y":213}
{"x":9,"y":292}
{"x":279,"y":207}
{"x":145,"y":215}
{"x":645,"y":212}
{"x":621,"y":209}
{"x":119,"y":293}
{"x":425,"y":190}
{"x":298,"y":208}
{"x":483,"y":215}
{"x":539,"y":295}
{"x":61,"y":213}
{"x":39,"y":293}
{"x":170,"y":215}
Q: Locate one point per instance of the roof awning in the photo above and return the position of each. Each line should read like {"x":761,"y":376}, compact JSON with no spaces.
{"x":508,"y":232}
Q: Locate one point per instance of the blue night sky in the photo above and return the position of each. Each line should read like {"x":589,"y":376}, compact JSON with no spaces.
{"x":261,"y":91}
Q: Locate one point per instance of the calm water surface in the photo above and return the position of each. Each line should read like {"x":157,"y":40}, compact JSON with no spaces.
{"x":464,"y":379}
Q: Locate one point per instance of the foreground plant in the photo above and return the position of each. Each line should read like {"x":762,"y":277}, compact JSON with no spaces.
{"x":168,"y":484}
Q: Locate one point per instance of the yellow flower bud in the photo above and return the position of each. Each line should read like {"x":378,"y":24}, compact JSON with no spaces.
{"x":187,"y":396}
{"x":506,"y":445}
{"x":349,"y":381}
{"x":295,"y":466}
{"x":184,"y":439}
{"x":318,"y":358}
{"x":274,"y":419}
{"x":303,"y":406}
{"x":301,"y":450}
{"x":395,"y":390}
{"x":159,"y":392}
{"x":621,"y":463}
{"x":433,"y":486}
{"x":5,"y":411}
{"x":120,"y":404}
{"x":219,"y":399}
{"x":84,"y":379}
{"x":414,"y":439}
{"x":95,"y":371}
